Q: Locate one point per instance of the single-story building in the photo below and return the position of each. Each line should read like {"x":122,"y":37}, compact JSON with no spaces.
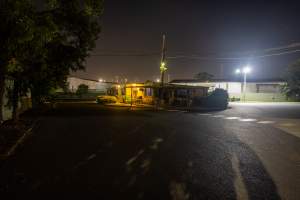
{"x":150,"y":93}
{"x":256,"y":89}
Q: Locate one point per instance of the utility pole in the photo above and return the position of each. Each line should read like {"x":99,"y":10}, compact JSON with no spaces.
{"x":245,"y":86}
{"x":163,"y":67}
{"x":221,"y":71}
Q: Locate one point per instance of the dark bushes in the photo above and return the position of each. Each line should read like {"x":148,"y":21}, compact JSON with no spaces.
{"x":218,"y":99}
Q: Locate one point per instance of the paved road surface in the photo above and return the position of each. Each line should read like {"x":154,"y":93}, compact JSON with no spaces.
{"x":85,"y":151}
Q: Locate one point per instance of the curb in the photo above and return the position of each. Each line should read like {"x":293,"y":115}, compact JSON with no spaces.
{"x":19,"y":142}
{"x":129,"y":106}
{"x":196,"y":109}
{"x":189,"y":109}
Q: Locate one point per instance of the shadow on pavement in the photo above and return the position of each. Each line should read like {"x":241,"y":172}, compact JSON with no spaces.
{"x":62,"y":110}
{"x":257,"y":180}
{"x":200,"y":166}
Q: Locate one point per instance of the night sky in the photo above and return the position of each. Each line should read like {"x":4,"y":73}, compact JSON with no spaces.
{"x":206,"y":28}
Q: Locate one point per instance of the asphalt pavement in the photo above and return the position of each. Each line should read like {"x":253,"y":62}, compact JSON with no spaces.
{"x":250,"y":151}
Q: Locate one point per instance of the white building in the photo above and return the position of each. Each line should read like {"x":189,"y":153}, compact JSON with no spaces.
{"x":256,"y":90}
{"x":74,"y":82}
{"x":94,"y":85}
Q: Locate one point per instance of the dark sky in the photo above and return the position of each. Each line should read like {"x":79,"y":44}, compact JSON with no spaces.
{"x":206,"y":28}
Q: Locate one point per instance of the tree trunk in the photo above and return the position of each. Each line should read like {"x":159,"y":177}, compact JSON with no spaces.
{"x":2,"y":87}
{"x":15,"y":101}
{"x":35,"y":99}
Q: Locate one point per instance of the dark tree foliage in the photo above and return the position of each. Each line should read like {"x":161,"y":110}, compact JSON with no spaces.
{"x":44,"y":43}
{"x":218,"y":99}
{"x":15,"y":30}
{"x":82,"y":89}
{"x":73,"y":36}
{"x":16,"y":20}
{"x":292,"y":87}
{"x":204,"y":76}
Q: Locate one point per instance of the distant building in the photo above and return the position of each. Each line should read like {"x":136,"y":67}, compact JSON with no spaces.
{"x":74,"y":82}
{"x":256,"y":89}
{"x":94,"y":85}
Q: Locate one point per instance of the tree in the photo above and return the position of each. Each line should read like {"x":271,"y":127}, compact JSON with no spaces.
{"x":16,"y":20}
{"x":292,"y":77}
{"x":204,"y":76}
{"x":82,"y":89}
{"x":19,"y":88}
{"x":76,"y":28}
{"x":42,"y":44}
{"x":36,"y":29}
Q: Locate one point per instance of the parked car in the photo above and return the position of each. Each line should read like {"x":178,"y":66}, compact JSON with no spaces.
{"x":104,"y":99}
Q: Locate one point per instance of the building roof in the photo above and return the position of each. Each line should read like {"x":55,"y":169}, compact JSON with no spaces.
{"x":86,"y":79}
{"x":265,"y":80}
{"x":166,"y":85}
{"x":185,"y":86}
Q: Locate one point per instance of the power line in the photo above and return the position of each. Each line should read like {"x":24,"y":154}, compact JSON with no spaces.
{"x":231,"y":58}
{"x":278,"y":54}
{"x":293,"y":45}
{"x":255,"y":52}
{"x":283,"y":50}
{"x":126,"y":54}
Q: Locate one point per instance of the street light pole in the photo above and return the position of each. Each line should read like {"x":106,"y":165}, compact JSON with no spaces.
{"x":245,"y":86}
{"x":163,"y":67}
{"x":131,"y":97}
{"x":245,"y":71}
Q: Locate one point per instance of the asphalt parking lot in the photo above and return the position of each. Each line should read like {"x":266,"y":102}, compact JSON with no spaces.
{"x":250,"y":151}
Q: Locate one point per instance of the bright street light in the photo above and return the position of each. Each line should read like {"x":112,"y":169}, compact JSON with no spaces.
{"x":157,"y":80}
{"x":100,"y":80}
{"x":246,"y":70}
{"x":237,"y":71}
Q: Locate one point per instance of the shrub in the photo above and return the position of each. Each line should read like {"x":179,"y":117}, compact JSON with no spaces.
{"x":217,"y":99}
{"x":82,"y":89}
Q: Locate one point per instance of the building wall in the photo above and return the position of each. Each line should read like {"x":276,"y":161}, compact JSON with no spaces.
{"x":103,"y":87}
{"x":262,"y":97}
{"x":268,"y":88}
{"x":137,"y":93}
{"x":255,"y":91}
{"x":99,"y":87}
{"x":75,"y":82}
{"x":260,"y":91}
{"x":237,"y":87}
